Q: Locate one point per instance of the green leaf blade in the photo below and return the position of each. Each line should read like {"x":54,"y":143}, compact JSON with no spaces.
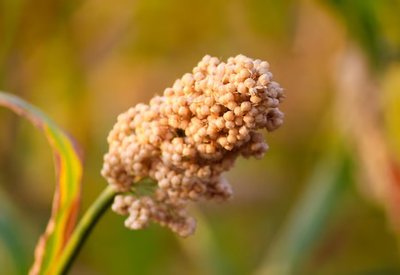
{"x":66,"y":201}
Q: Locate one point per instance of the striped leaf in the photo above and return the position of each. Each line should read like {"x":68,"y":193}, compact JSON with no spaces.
{"x":68,"y":167}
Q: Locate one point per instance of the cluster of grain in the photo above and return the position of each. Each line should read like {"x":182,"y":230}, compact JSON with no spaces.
{"x":187,"y":137}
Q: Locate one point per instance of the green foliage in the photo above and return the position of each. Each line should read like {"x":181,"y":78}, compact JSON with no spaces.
{"x":310,"y":215}
{"x":12,"y":238}
{"x":68,"y":166}
{"x":366,"y":21}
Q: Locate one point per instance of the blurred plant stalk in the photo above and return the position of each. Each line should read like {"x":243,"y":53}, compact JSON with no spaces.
{"x":310,"y":214}
{"x":358,"y":104}
{"x":359,"y":98}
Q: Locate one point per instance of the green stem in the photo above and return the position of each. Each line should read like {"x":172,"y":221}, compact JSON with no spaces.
{"x":83,"y":229}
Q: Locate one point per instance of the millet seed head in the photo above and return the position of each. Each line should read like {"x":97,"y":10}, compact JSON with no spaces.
{"x":186,"y":138}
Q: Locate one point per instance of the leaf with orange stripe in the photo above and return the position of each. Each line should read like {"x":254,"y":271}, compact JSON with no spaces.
{"x":66,"y":200}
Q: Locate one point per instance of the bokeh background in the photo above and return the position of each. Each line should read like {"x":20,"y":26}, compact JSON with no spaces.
{"x":324,"y":200}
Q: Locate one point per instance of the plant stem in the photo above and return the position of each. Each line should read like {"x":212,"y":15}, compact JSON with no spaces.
{"x":83,"y":229}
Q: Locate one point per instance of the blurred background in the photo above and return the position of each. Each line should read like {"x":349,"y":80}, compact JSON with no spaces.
{"x":324,"y":200}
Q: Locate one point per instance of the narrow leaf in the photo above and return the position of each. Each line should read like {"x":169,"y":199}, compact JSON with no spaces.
{"x":309,"y":217}
{"x":68,"y":167}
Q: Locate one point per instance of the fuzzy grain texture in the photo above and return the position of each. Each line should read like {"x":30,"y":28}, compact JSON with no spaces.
{"x":186,"y":138}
